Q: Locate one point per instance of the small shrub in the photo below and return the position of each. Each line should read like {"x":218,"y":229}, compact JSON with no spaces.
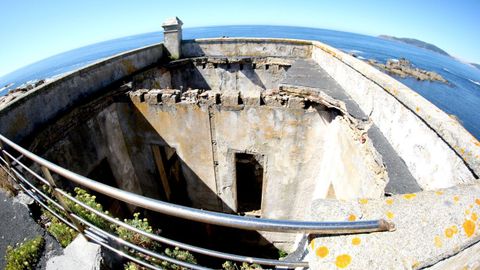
{"x":90,"y":200}
{"x":178,"y":254}
{"x":282,"y":254}
{"x":132,"y":266}
{"x":61,"y":231}
{"x":247,"y":266}
{"x":136,"y":238}
{"x":25,"y":256}
{"x":145,"y":242}
{"x":228,"y":265}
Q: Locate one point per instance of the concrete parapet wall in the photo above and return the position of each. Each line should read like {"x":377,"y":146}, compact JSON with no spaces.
{"x":438,"y":151}
{"x":22,"y":117}
{"x":247,"y":47}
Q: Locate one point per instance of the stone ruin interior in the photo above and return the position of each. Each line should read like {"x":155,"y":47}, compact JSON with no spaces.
{"x":246,"y":135}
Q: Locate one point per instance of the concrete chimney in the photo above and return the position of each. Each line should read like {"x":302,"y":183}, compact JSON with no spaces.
{"x":172,"y":37}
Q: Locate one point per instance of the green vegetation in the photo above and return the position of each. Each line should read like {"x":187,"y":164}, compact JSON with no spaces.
{"x":148,"y":243}
{"x":25,"y":256}
{"x":228,"y":265}
{"x":90,"y":200}
{"x":132,"y":266}
{"x":178,"y":254}
{"x":282,"y":254}
{"x":137,"y":238}
{"x":61,"y":231}
{"x":65,"y":234}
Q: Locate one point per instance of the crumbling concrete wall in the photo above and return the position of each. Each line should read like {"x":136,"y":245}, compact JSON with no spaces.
{"x":28,"y":114}
{"x":84,"y":146}
{"x":292,"y":140}
{"x":250,"y":76}
{"x":429,"y":158}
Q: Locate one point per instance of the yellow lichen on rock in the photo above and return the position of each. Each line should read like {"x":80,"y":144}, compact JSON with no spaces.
{"x":343,"y":260}
{"x":469,"y":227}
{"x":322,"y":252}
{"x":409,"y":196}
{"x":356,"y":241}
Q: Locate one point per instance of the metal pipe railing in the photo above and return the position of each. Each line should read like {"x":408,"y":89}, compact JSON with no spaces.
{"x":138,"y":248}
{"x":95,"y":239}
{"x":199,"y":250}
{"x":14,"y":167}
{"x":209,"y":217}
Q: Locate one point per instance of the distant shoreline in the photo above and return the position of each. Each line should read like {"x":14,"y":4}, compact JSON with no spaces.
{"x":422,"y":44}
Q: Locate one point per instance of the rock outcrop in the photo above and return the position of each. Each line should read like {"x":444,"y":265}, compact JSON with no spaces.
{"x":19,"y":91}
{"x":403,"y":68}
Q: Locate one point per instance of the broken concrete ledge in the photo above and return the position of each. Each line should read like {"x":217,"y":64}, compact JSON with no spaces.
{"x":80,"y":254}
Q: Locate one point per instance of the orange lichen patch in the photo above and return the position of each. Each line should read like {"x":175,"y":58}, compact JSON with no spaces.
{"x":390,"y":215}
{"x":456,"y":198}
{"x":469,"y":227}
{"x":462,"y":151}
{"x":389,"y":201}
{"x":343,"y":260}
{"x":439,"y":192}
{"x":449,"y":233}
{"x":312,"y":245}
{"x":467,"y":212}
{"x":409,"y":196}
{"x":474,"y":217}
{"x":352,"y":217}
{"x":322,"y":251}
{"x":438,"y":241}
{"x":454,"y":229}
{"x":417,"y":109}
{"x":363,"y":201}
{"x":477,"y":201}
{"x":356,"y":241}
{"x":470,"y":206}
{"x":477,"y":143}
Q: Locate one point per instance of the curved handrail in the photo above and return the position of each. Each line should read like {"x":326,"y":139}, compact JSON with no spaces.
{"x":209,"y":217}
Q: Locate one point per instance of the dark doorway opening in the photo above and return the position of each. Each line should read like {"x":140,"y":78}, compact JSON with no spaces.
{"x":169,"y":169}
{"x":249,"y":183}
{"x":103,"y":174}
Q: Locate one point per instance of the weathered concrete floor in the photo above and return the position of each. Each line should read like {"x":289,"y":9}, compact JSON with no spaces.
{"x":16,"y":225}
{"x":309,"y":74}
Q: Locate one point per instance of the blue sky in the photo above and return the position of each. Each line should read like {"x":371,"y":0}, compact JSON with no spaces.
{"x":32,"y":30}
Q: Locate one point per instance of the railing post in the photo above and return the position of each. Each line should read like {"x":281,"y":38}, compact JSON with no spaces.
{"x":61,"y":200}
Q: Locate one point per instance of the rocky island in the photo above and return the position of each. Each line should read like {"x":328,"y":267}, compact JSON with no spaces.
{"x":403,"y":68}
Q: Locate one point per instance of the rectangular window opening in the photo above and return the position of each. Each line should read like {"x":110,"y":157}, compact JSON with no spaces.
{"x":249,"y":183}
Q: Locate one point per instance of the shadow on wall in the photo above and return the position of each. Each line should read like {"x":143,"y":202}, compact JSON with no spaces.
{"x":156,"y":160}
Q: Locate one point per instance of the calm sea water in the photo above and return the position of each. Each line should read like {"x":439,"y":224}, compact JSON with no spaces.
{"x":461,"y":97}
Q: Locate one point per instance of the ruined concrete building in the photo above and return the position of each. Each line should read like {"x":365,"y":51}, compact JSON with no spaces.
{"x":276,"y":129}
